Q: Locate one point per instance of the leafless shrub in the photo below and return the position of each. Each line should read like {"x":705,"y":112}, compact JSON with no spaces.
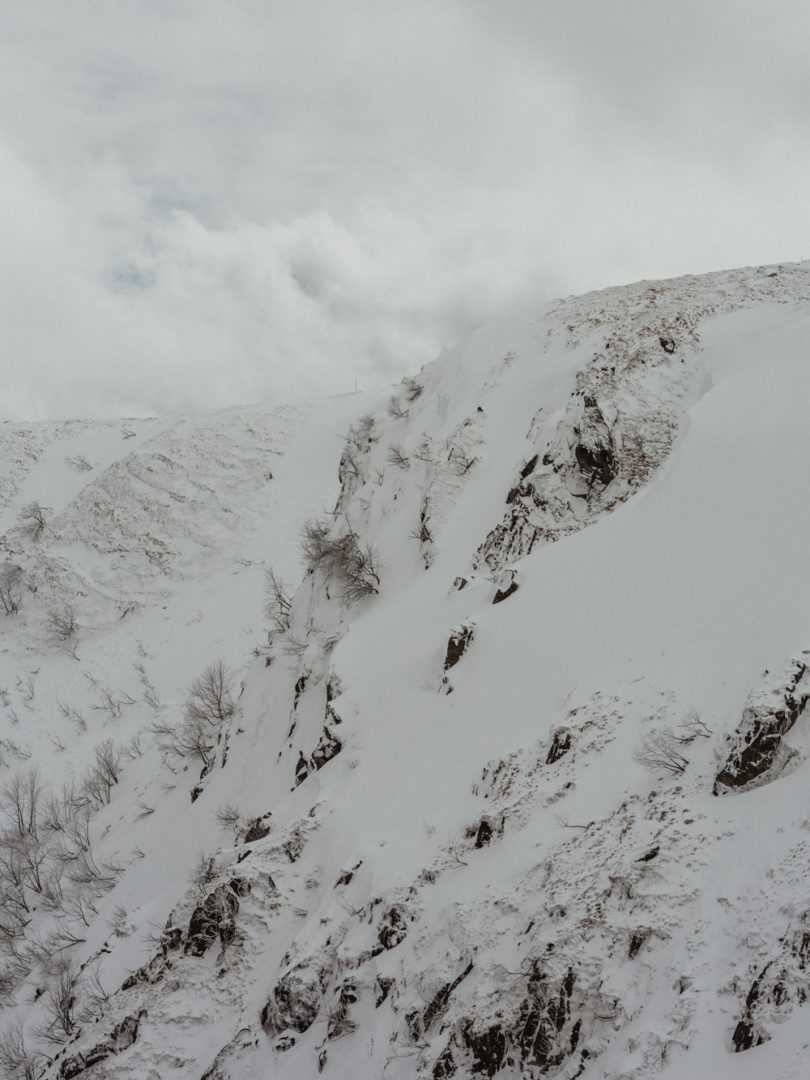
{"x":150,"y":694}
{"x":412,"y":388}
{"x":208,"y":706}
{"x":93,"y":996}
{"x":119,"y":922}
{"x":13,"y":749}
{"x":20,"y":800}
{"x":395,"y":409}
{"x":72,"y":714}
{"x":294,"y":645}
{"x":96,"y":876}
{"x":150,"y":697}
{"x":59,"y":1002}
{"x":79,"y":906}
{"x":62,"y":623}
{"x":11,"y":586}
{"x":112,"y":701}
{"x":693,"y":727}
{"x":278,"y":601}
{"x":210,"y":698}
{"x":362,"y":572}
{"x":103,"y":775}
{"x":204,"y":872}
{"x":396,"y":456}
{"x":460,"y":460}
{"x":424,"y":452}
{"x":228,"y":816}
{"x":342,"y":556}
{"x":31,"y":520}
{"x":27,"y":688}
{"x":79,"y":463}
{"x":134,"y":749}
{"x":17,"y":1061}
{"x":659,"y":752}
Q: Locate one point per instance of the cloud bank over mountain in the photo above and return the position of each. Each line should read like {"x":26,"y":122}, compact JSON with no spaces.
{"x":205,"y":204}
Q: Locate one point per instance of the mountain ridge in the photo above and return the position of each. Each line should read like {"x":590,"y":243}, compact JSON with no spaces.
{"x":484,"y":733}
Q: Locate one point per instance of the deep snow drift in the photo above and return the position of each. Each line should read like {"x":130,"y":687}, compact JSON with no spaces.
{"x":505,"y":778}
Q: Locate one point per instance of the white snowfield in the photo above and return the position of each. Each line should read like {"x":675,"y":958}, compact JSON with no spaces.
{"x":423,"y":834}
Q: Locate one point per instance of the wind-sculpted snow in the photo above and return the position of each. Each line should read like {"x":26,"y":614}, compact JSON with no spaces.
{"x":587,"y":860}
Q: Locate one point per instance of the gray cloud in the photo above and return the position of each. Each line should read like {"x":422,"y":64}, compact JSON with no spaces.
{"x":208,"y":202}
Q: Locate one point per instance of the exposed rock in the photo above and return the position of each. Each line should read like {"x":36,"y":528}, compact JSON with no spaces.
{"x":301,"y":769}
{"x":542,"y":1034}
{"x":636,"y":941}
{"x":457,"y":644}
{"x":757,"y":753}
{"x":384,"y":987}
{"x":212,"y":918}
{"x":257,"y":830}
{"x":560,"y":745}
{"x":295,"y":1002}
{"x":393,"y":927}
{"x":484,"y":834}
{"x":339,"y":1022}
{"x":244,"y":1043}
{"x":780,"y":985}
{"x":507,"y":586}
{"x":329,"y":746}
{"x":121,"y":1038}
{"x":594,"y":451}
{"x":488,"y":1049}
{"x":439,"y":1002}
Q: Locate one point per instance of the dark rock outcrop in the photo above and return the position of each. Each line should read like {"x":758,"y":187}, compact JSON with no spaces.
{"x":120,"y":1038}
{"x":757,"y":753}
{"x":541,"y":1036}
{"x":214,"y":917}
{"x":560,"y":745}
{"x":594,"y":451}
{"x":457,"y":644}
{"x":779,"y":985}
{"x":257,"y":830}
{"x":294,"y":1004}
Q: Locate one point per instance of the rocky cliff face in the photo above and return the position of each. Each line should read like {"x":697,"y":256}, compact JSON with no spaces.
{"x":501,"y":789}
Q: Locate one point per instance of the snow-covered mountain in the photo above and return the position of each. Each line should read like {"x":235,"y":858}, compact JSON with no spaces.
{"x":456,"y":731}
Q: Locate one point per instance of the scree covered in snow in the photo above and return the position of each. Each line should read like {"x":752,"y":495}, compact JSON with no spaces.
{"x":457,"y":731}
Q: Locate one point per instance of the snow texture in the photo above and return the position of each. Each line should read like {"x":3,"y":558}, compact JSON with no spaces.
{"x":509,"y":776}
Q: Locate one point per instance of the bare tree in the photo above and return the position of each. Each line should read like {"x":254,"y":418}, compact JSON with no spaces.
{"x":208,"y":706}
{"x":209,"y":697}
{"x":16,"y":1060}
{"x":278,"y":603}
{"x":412,"y":387}
{"x":31,"y":520}
{"x":692,"y":727}
{"x":396,"y":456}
{"x":11,"y":582}
{"x":228,"y":816}
{"x":20,"y":799}
{"x":104,"y":774}
{"x":79,"y":463}
{"x":62,"y":623}
{"x":660,"y":752}
{"x":341,"y":555}
{"x":59,"y":1003}
{"x":395,"y":409}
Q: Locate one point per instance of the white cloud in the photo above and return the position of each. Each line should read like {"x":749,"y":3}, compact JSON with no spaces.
{"x":206,"y":202}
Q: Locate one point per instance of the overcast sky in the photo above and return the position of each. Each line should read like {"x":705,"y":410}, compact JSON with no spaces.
{"x":210,"y":202}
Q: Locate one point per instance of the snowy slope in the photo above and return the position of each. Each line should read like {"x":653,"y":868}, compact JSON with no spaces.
{"x":514,"y":787}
